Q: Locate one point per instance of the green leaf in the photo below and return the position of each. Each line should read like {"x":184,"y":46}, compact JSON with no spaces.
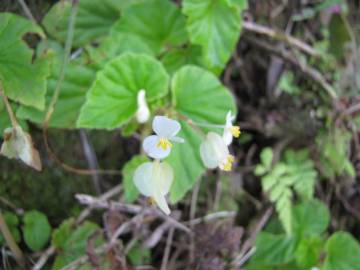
{"x":93,"y":21}
{"x":215,"y":25}
{"x":72,"y":242}
{"x":241,"y":4}
{"x":77,"y":81}
{"x":343,"y":252}
{"x":131,"y":192}
{"x":308,"y":252}
{"x":310,"y":218}
{"x":139,"y":255}
{"x":266,"y":157}
{"x":22,"y":79}
{"x":116,"y":44}
{"x":179,"y":57}
{"x":158,"y":22}
{"x":12,"y":221}
{"x":273,"y":250}
{"x":186,"y":162}
{"x":199,"y":96}
{"x":112,"y":100}
{"x":339,"y":35}
{"x":36,"y":230}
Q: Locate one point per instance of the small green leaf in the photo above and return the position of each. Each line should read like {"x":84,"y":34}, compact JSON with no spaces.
{"x":93,"y":21}
{"x":71,"y":242}
{"x":36,"y":230}
{"x":148,"y":21}
{"x":310,"y":218}
{"x":273,"y":250}
{"x":266,"y":157}
{"x":139,"y":255}
{"x":131,"y":192}
{"x":308,"y":252}
{"x":343,"y":252}
{"x":215,"y":25}
{"x":112,"y":100}
{"x":22,"y":79}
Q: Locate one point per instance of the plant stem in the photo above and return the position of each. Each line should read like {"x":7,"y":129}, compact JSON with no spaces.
{"x":19,"y":257}
{"x":68,"y":45}
{"x":8,"y":108}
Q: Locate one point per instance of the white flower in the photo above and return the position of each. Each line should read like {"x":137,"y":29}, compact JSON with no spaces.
{"x":154,"y":179}
{"x":215,"y":153}
{"x":159,"y":146}
{"x":143,"y":112}
{"x":230,"y":131}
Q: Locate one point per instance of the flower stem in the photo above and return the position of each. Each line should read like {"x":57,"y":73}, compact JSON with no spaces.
{"x":19,"y":257}
{"x":8,"y":108}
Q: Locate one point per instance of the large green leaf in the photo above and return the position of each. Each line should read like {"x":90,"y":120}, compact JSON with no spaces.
{"x":116,"y":44}
{"x":310,"y":218}
{"x":158,"y":22}
{"x":197,"y":95}
{"x":216,"y":26}
{"x":343,"y":252}
{"x":272,"y":250}
{"x":22,"y":79}
{"x":130,"y":190}
{"x":77,"y":81}
{"x":200,"y":96}
{"x":94,"y":20}
{"x":186,"y":162}
{"x":36,"y":230}
{"x":112,"y":100}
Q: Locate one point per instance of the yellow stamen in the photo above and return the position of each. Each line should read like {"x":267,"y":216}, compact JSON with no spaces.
{"x":151,"y":201}
{"x":235,"y":131}
{"x":164,"y":144}
{"x":227,"y":166}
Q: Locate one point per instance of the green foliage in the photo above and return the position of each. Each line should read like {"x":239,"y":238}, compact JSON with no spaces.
{"x":71,"y":242}
{"x":148,"y":21}
{"x":22,"y":79}
{"x":299,"y":251}
{"x":112,"y":100}
{"x":333,"y":148}
{"x":214,"y":25}
{"x":215,"y":102}
{"x":36,"y":230}
{"x":92,"y":23}
{"x":130,"y":191}
{"x":343,"y":252}
{"x":294,"y":173}
{"x":139,"y":255}
{"x":339,"y":35}
{"x":287,"y":84}
{"x":12,"y":221}
{"x":77,"y":81}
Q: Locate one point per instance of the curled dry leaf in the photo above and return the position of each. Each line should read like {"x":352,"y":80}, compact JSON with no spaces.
{"x":18,"y":144}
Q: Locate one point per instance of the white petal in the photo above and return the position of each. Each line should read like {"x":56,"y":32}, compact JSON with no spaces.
{"x":177,"y":139}
{"x":151,"y":148}
{"x":142,"y":178}
{"x":213,"y":150}
{"x":163,"y":177}
{"x":143,"y":112}
{"x":227,"y":136}
{"x":161,"y":202}
{"x":165,"y":127}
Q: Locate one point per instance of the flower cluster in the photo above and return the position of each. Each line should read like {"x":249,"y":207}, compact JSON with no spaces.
{"x":154,"y":179}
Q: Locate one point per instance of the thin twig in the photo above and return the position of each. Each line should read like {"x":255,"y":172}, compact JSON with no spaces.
{"x":167,"y":249}
{"x":27,"y":11}
{"x":267,"y":31}
{"x":194,"y":199}
{"x":18,"y":255}
{"x":314,"y":74}
{"x":44,"y":257}
{"x":211,"y":217}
